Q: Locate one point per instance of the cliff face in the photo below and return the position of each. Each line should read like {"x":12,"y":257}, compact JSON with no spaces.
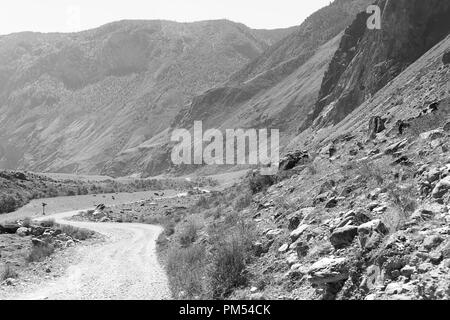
{"x":368,"y":59}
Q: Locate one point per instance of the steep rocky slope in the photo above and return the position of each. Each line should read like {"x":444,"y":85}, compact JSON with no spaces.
{"x":71,"y":102}
{"x":368,"y":59}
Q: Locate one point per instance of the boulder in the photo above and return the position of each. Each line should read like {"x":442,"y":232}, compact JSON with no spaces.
{"x":293,"y":159}
{"x":396,"y":146}
{"x":370,"y":232}
{"x":442,"y":187}
{"x":376,"y":125}
{"x":342,"y":237}
{"x":328,"y":270}
{"x":446,"y":58}
{"x":432,"y":242}
{"x":22,"y":232}
{"x":283,"y":248}
{"x":432,"y":135}
{"x":298,"y":232}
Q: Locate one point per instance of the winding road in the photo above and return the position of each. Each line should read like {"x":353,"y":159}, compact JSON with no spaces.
{"x":124,"y":267}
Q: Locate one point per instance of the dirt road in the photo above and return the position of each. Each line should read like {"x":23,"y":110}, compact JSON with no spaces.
{"x":123,"y":267}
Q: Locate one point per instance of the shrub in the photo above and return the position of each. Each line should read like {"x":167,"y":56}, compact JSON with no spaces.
{"x":6,"y":272}
{"x":185,"y":267}
{"x":227,"y":267}
{"x":188,"y":234}
{"x":260,"y":183}
{"x":39,"y":253}
{"x":48,"y":223}
{"x":76,"y":233}
{"x":243,"y":201}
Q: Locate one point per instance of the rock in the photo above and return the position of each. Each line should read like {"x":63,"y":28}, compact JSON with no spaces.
{"x":293,"y":159}
{"x":446,"y":127}
{"x":432,"y":242}
{"x":294,"y":222}
{"x":37,"y":231}
{"x":298,"y":232}
{"x":301,"y":247}
{"x":446,"y":58}
{"x":371,"y":230}
{"x":436,"y":257}
{"x":432,"y":135}
{"x":422,"y":214}
{"x":344,"y":236}
{"x":292,"y":259}
{"x":22,"y":231}
{"x":394,"y":147}
{"x":376,"y":125}
{"x":259,"y":249}
{"x":441,"y":188}
{"x":433,"y":175}
{"x":273,"y":233}
{"x":371,"y":206}
{"x":10,"y":228}
{"x":328,"y":270}
{"x":332,"y":203}
{"x":395,"y":288}
{"x":424,"y":267}
{"x":407,"y":271}
{"x":283,"y":248}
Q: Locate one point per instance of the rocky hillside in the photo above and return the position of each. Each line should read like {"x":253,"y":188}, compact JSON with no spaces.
{"x":362,"y":213}
{"x":71,"y":102}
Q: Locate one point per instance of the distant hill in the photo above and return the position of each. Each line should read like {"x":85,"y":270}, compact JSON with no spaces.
{"x":71,"y":102}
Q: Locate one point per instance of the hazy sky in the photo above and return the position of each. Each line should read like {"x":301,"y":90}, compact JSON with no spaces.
{"x":76,"y":15}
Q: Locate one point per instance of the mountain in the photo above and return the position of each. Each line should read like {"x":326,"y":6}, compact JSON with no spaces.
{"x":277,"y":89}
{"x":71,"y":102}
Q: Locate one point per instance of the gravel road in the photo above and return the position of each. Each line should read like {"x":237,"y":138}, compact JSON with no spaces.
{"x":123,"y":267}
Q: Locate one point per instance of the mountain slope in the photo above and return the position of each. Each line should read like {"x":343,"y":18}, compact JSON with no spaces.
{"x":276,"y":89}
{"x":71,"y":102}
{"x":368,"y":59}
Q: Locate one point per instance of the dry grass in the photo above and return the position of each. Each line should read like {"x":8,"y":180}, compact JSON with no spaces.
{"x":39,"y":253}
{"x":76,"y":233}
{"x":186,"y":269}
{"x":188,"y":233}
{"x":6,"y":272}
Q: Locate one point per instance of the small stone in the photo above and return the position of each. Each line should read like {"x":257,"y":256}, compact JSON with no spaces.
{"x":298,"y":232}
{"x":432,"y":242}
{"x":283,"y":248}
{"x":407,"y":271}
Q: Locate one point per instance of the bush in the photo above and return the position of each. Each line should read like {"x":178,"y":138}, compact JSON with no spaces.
{"x":259,"y":183}
{"x":76,"y":233}
{"x":188,"y":234}
{"x":6,"y":272}
{"x":49,"y":223}
{"x":227,"y":267}
{"x":39,"y":253}
{"x":185,"y":267}
{"x":404,"y":202}
{"x":243,"y":201}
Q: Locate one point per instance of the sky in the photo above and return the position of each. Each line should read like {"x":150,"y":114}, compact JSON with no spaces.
{"x":77,"y":15}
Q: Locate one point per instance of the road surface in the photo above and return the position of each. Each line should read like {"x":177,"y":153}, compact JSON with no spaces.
{"x":124,"y":267}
